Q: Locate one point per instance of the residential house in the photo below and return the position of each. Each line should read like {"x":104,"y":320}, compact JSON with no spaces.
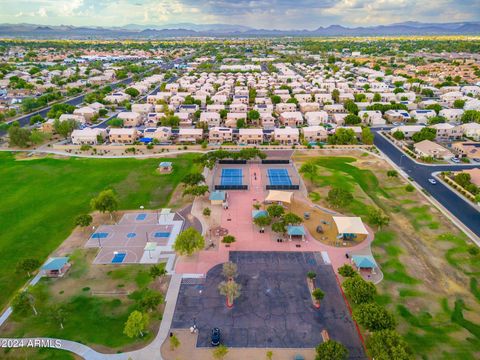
{"x":88,"y":136}
{"x":407,"y":130}
{"x":219,"y":135}
{"x":397,"y":116}
{"x":162,"y":134}
{"x":291,"y":118}
{"x":314,"y":133}
{"x":314,"y":118}
{"x":286,"y":136}
{"x":427,"y":148}
{"x":471,"y":130}
{"x":210,"y":118}
{"x":130,"y":119}
{"x":250,"y":136}
{"x":87,"y":112}
{"x":189,"y":135}
{"x":309,"y":107}
{"x":372,"y":117}
{"x":468,"y":149}
{"x":123,"y":135}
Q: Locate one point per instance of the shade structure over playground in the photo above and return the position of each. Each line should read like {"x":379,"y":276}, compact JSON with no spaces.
{"x":350,"y":225}
{"x":279,"y":196}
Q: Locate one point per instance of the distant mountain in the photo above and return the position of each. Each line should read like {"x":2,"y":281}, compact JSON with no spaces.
{"x":135,"y":31}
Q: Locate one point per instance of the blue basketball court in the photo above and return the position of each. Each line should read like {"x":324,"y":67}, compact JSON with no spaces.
{"x":118,"y":258}
{"x":231,"y":177}
{"x":279,"y":177}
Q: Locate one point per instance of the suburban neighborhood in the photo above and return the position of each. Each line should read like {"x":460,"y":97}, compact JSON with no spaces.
{"x":218,"y":191}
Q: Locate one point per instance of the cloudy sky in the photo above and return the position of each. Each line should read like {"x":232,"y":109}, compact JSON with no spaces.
{"x":279,"y":14}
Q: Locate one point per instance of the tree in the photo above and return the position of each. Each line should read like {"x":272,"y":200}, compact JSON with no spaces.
{"x":229,"y":270}
{"x":359,"y":290}
{"x":398,"y":135}
{"x":377,"y":97}
{"x":220,"y":352}
{"x":106,"y":201}
{"x":346,"y":271}
{"x":279,"y":227}
{"x":388,"y":345}
{"x":188,"y":242}
{"x":309,"y":170}
{"x":132,"y":92}
{"x":375,"y":216}
{"x":37,"y":137}
{"x":231,"y":290}
{"x":367,"y":136}
{"x":24,"y":301}
{"x":351,"y":107}
{"x":339,"y":197}
{"x":336,"y":95}
{"x":18,"y":136}
{"x":253,"y":115}
{"x":136,"y":324}
{"x":436,"y":120}
{"x":83,"y":220}
{"x":425,"y":134}
{"x":291,"y":219}
{"x":318,"y":294}
{"x":392,"y":173}
{"x":262,"y":221}
{"x":174,"y":342}
{"x":241,"y":124}
{"x":352,"y":119}
{"x":28,"y":266}
{"x":193,"y":179}
{"x":471,"y":116}
{"x":157,"y":271}
{"x":36,"y":119}
{"x":58,"y":314}
{"x":374,"y":317}
{"x":463,"y":179}
{"x":150,"y":300}
{"x":275,"y":211}
{"x":312,"y":275}
{"x":195,"y":190}
{"x":65,"y":127}
{"x":115,"y":123}
{"x":228,"y":239}
{"x":459,"y":104}
{"x":343,"y":136}
{"x":331,"y":350}
{"x":276,"y":99}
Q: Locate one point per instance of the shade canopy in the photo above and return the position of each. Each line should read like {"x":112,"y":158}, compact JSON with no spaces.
{"x":56,"y":263}
{"x":295,"y":230}
{"x":217,"y":195}
{"x":364,"y":261}
{"x":350,"y":225}
{"x":281,"y":196}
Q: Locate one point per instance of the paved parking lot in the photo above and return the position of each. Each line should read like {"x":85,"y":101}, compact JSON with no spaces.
{"x":274,"y":309}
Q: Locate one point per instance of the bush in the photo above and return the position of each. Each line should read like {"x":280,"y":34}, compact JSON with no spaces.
{"x":331,"y":350}
{"x":410,"y":188}
{"x":85,"y":147}
{"x":392,"y":173}
{"x":228,"y":239}
{"x":359,"y":290}
{"x":388,"y":344}
{"x":346,"y":271}
{"x":374,"y":317}
{"x":206,"y":212}
{"x":473,"y":250}
{"x":339,"y":197}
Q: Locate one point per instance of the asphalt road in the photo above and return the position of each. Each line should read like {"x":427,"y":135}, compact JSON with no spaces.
{"x":461,"y":209}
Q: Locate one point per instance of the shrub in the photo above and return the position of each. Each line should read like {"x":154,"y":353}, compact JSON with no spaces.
{"x":228,"y":239}
{"x":409,"y":188}
{"x":346,"y":271}
{"x":206,"y":212}
{"x":374,"y":317}
{"x":359,"y":290}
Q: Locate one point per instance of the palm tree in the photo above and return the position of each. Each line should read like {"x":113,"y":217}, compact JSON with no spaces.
{"x":229,"y":270}
{"x":231,"y":290}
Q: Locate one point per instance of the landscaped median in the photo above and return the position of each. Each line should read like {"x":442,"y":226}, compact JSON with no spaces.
{"x":461,"y":182}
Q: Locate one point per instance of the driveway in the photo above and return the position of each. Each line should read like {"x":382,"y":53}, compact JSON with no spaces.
{"x":274,"y":309}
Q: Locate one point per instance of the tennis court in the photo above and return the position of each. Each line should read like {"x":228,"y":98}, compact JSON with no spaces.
{"x":279,"y":177}
{"x":231,"y":177}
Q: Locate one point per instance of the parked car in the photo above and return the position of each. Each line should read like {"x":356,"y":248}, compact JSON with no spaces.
{"x":432,"y":181}
{"x":455,"y":160}
{"x":476,"y":160}
{"x":215,"y":337}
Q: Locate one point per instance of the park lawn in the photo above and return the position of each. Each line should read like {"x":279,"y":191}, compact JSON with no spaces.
{"x":42,"y":197}
{"x":431,"y":280}
{"x":99,"y":297}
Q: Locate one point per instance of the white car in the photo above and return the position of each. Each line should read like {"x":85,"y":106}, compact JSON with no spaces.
{"x":432,"y":181}
{"x":455,"y":160}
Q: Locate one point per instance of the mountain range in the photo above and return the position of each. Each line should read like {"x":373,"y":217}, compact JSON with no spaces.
{"x":136,"y":31}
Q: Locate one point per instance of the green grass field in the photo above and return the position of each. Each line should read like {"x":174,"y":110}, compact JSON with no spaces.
{"x":41,"y":198}
{"x":430,"y":276}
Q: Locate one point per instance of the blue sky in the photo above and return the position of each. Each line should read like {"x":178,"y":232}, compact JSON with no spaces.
{"x":279,"y":14}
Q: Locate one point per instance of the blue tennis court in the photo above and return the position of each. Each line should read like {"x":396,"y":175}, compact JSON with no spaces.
{"x":141,"y":217}
{"x":100,"y":235}
{"x":231,"y":177}
{"x":118,"y":258}
{"x":279,"y":177}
